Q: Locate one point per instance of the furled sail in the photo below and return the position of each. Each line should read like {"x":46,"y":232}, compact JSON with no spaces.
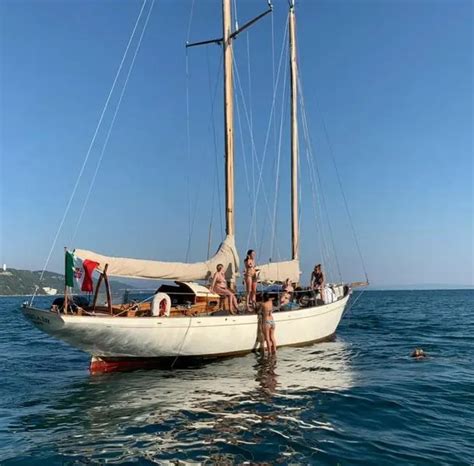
{"x":280,"y":271}
{"x":156,"y":270}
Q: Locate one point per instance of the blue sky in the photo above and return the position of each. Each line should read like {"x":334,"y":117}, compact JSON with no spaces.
{"x":390,"y":80}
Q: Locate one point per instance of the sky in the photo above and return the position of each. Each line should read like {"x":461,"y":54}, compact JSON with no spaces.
{"x":388,"y":95}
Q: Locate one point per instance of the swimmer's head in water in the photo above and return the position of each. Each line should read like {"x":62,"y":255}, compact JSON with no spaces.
{"x":418,"y":353}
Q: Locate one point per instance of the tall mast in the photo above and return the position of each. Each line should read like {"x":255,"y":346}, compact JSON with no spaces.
{"x":228,"y":116}
{"x":294,"y":135}
{"x":226,"y":41}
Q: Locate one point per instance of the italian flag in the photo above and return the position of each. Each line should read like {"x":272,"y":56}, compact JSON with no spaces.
{"x":77,"y":270}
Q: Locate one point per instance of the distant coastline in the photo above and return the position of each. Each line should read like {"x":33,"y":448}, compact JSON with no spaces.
{"x":427,"y":287}
{"x":16,"y":282}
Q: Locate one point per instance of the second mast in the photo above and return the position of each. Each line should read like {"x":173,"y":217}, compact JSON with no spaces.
{"x":228,"y":116}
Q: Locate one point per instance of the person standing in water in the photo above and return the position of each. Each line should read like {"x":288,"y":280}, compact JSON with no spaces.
{"x":219,"y":286}
{"x":268,"y":323}
{"x":250,"y":278}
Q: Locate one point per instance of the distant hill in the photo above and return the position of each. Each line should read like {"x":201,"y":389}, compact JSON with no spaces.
{"x":23,"y":282}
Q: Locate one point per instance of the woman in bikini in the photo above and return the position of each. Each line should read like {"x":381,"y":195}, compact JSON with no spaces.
{"x":219,"y":286}
{"x":268,"y":323}
{"x":250,"y":278}
{"x":287,"y":292}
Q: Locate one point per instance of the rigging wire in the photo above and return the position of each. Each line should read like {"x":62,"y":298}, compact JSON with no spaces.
{"x":214,"y":132}
{"x":236,"y":15}
{"x":188,"y":136}
{"x":273,"y":74}
{"x":340,"y":187}
{"x":190,"y":19}
{"x":316,"y":174}
{"x":101,"y":156}
{"x":356,"y":239}
{"x":277,"y":169}
{"x":252,"y":140}
{"x":318,"y":209}
{"x":253,"y":152}
{"x":278,"y":150}
{"x":249,"y":79}
{"x":86,"y":158}
{"x":242,"y":145}
{"x":260,"y":166}
{"x":319,"y":201}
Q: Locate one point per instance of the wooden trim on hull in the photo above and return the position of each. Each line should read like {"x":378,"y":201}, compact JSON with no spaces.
{"x":103,"y":365}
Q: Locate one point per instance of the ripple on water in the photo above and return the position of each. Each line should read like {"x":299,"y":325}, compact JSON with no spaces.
{"x":358,"y":400}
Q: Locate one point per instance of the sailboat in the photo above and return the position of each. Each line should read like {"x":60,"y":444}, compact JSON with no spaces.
{"x":186,"y":319}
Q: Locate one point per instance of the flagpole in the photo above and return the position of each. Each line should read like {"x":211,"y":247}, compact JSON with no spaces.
{"x":65,"y":281}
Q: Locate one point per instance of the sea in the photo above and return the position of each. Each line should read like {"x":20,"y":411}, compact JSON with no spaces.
{"x":361,"y":399}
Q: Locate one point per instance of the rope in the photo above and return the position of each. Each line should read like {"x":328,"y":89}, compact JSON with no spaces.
{"x":182,"y":344}
{"x":86,"y":158}
{"x":354,"y":302}
{"x":91,"y":185}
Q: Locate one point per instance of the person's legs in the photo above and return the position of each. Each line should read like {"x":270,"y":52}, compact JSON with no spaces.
{"x":229,"y":295}
{"x":272,"y":339}
{"x":229,"y":301}
{"x":261,"y":335}
{"x":234,"y":302}
{"x":254,"y":291}
{"x":248,"y":288}
{"x":268,"y":341}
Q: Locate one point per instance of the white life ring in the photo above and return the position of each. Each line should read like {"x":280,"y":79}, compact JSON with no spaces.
{"x":160,"y":309}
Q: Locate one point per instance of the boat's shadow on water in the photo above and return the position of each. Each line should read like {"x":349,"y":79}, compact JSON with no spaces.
{"x":188,"y":412}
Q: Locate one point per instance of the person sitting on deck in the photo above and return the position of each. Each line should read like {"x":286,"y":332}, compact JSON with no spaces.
{"x":317,"y":280}
{"x":219,"y":286}
{"x":287,"y":292}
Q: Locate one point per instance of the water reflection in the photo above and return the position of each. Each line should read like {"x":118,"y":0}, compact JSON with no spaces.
{"x":266,"y":375}
{"x":229,"y":405}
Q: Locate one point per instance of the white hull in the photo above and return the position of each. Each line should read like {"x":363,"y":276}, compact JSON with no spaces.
{"x":162,"y":337}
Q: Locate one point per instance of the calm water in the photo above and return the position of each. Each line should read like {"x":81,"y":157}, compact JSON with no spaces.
{"x":358,"y":400}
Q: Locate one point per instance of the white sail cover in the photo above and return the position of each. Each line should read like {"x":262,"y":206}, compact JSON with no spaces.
{"x":179,"y":271}
{"x":280,"y":271}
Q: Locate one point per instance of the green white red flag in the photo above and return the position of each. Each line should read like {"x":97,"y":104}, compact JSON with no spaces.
{"x":79,"y":272}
